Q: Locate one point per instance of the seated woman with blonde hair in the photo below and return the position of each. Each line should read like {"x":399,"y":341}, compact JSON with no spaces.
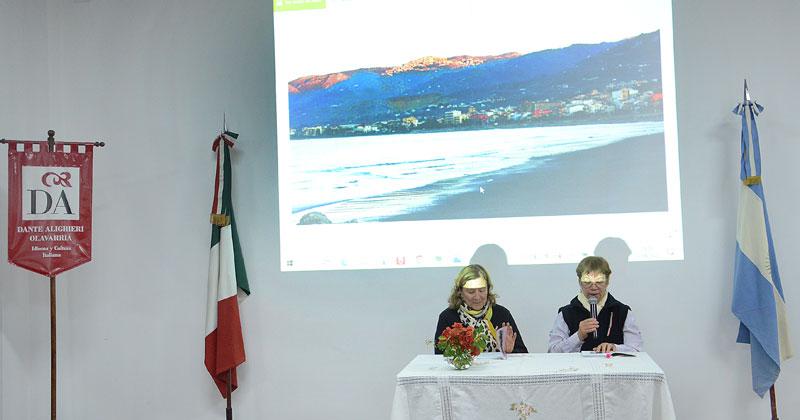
{"x":472,"y":303}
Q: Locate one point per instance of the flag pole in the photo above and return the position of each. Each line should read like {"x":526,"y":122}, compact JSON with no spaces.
{"x":53,"y":347}
{"x":772,"y":402}
{"x":51,"y":147}
{"x":229,"y":409}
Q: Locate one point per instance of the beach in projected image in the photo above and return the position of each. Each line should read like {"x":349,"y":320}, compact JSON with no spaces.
{"x":608,"y":168}
{"x":566,"y":131}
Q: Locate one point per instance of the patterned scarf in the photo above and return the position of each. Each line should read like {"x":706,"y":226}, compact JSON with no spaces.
{"x":473,"y":318}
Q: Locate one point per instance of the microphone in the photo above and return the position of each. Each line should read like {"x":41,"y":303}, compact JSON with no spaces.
{"x":593,"y":311}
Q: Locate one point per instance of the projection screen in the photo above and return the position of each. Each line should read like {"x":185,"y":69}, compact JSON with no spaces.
{"x":411,"y":133}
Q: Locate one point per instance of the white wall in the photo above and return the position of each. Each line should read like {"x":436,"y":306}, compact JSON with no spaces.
{"x":152,"y":79}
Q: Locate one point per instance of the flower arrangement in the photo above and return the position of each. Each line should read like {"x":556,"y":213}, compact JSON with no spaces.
{"x":461,"y":344}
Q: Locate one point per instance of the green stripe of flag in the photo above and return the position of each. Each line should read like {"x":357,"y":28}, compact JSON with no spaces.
{"x":226,"y":208}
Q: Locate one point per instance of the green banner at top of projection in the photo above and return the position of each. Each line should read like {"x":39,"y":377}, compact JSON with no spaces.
{"x":289,"y":5}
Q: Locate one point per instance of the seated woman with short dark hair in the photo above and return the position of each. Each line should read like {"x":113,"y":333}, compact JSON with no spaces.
{"x":574,"y":329}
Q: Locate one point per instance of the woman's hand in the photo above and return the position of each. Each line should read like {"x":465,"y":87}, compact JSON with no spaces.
{"x":509,"y":338}
{"x":586,"y":327}
{"x":605,"y":348}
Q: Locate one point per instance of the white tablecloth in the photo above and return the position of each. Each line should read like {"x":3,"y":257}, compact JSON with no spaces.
{"x":533,"y":387}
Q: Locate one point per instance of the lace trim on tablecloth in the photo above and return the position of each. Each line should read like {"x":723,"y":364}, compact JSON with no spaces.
{"x":531,"y":380}
{"x":497,"y":380}
{"x":599,"y":401}
{"x":633,"y":377}
{"x":444,"y":396}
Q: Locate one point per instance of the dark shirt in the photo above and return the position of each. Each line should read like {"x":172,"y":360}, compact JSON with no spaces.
{"x":612,"y":315}
{"x":499,"y":315}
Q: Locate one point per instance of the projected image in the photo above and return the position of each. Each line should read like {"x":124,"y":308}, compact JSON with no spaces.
{"x":427,"y":138}
{"x":403,"y":119}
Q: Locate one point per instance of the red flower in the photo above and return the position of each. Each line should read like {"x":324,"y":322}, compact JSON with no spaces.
{"x":460,"y":340}
{"x":460,"y":344}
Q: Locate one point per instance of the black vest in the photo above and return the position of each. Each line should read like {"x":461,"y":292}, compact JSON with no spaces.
{"x":613,"y":315}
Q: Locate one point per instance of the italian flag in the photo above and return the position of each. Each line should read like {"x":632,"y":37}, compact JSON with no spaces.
{"x":226,"y":274}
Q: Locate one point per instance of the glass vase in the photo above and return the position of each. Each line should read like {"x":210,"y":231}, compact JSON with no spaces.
{"x":460,"y":362}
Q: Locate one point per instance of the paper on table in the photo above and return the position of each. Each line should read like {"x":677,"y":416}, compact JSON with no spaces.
{"x":589,"y":353}
{"x":491,"y":355}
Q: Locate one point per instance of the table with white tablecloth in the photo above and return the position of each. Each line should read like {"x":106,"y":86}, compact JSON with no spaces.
{"x":533,"y":387}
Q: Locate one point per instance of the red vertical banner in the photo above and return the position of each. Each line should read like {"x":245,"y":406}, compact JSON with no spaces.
{"x":49,"y":205}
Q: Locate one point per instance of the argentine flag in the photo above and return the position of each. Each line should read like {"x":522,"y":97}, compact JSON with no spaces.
{"x":757,"y":293}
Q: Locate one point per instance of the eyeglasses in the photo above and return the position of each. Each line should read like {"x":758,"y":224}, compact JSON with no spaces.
{"x":598,"y":279}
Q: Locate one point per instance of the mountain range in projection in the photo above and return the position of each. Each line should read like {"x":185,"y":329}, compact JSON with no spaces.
{"x":379,"y":94}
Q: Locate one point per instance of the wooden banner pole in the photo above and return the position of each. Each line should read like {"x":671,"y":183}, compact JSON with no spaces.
{"x":52,"y":347}
{"x":51,"y":147}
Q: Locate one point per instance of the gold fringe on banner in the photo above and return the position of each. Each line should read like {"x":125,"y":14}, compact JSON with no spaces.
{"x":220,"y":220}
{"x":752,"y":180}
